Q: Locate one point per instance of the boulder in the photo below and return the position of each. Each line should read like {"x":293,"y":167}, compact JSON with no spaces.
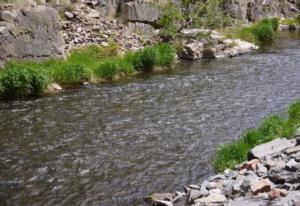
{"x":140,"y":11}
{"x":270,"y":148}
{"x":34,"y":34}
{"x":192,"y":51}
{"x":212,"y":198}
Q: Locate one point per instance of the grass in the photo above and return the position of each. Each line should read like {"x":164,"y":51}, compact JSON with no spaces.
{"x":92,"y":64}
{"x":229,"y":155}
{"x":260,"y":32}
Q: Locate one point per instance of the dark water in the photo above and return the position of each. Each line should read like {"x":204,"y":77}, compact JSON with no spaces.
{"x":114,"y":144}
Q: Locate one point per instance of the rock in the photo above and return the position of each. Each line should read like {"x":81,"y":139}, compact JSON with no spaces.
{"x":291,"y":165}
{"x":45,"y":39}
{"x":270,"y":148}
{"x":163,"y":203}
{"x":212,"y":198}
{"x":211,"y":185}
{"x":261,"y":170}
{"x":283,"y":27}
{"x":249,"y":10}
{"x":53,"y":88}
{"x":93,"y":14}
{"x":247,"y":202}
{"x":69,"y":15}
{"x":250,"y":165}
{"x":194,"y":194}
{"x":192,"y":51}
{"x":160,"y":198}
{"x":230,"y":174}
{"x":8,"y":16}
{"x":217,"y":177}
{"x":260,"y":186}
{"x":292,"y":199}
{"x":104,"y":44}
{"x":142,"y":27}
{"x":139,"y":11}
{"x":292,"y":27}
{"x":209,"y":53}
{"x":293,"y":150}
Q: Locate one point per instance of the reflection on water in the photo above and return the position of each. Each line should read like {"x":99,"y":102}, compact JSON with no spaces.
{"x":114,"y":144}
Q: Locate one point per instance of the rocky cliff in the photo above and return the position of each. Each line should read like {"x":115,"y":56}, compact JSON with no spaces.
{"x":40,"y":29}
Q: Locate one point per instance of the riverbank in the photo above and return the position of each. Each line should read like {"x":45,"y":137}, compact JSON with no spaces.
{"x":91,"y":64}
{"x":269,"y":177}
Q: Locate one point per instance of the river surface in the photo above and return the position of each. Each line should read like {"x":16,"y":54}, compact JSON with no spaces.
{"x":113,"y":144}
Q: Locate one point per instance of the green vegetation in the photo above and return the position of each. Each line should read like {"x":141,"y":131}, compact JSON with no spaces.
{"x":228,"y":156}
{"x":297,"y":19}
{"x":194,"y":13}
{"x":92,"y":64}
{"x":260,"y":32}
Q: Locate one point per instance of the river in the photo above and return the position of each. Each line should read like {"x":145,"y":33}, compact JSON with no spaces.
{"x":112,"y":144}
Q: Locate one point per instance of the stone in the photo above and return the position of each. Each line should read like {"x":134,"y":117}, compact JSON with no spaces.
{"x":250,"y":165}
{"x":160,"y":198}
{"x":8,"y":16}
{"x":293,"y":150}
{"x":261,"y":170}
{"x":260,"y":186}
{"x":140,"y":27}
{"x":69,"y":15}
{"x":212,"y":198}
{"x":209,"y":53}
{"x":292,"y":199}
{"x":247,"y":202}
{"x":194,"y":194}
{"x":270,"y":148}
{"x":216,"y":177}
{"x":297,"y":132}
{"x":291,"y":165}
{"x":139,"y":11}
{"x":163,"y":203}
{"x":211,"y":185}
{"x":53,"y":88}
{"x":192,"y":51}
{"x":230,"y":174}
{"x":93,"y":14}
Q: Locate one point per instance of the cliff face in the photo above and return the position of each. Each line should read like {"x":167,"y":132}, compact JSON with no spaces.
{"x":253,"y":10}
{"x":28,"y":29}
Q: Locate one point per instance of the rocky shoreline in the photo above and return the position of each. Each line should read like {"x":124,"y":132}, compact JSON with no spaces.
{"x":270,"y":177}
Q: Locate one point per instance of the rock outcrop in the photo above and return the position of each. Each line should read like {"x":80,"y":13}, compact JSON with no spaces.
{"x":271,"y":178}
{"x":254,"y":10}
{"x":30,"y":34}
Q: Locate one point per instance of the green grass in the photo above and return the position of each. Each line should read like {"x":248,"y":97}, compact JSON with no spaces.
{"x":260,"y":32}
{"x":92,"y":64}
{"x":288,"y":21}
{"x":229,"y":155}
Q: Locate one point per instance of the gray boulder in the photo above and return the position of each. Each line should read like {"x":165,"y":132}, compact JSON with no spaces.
{"x":31,"y":34}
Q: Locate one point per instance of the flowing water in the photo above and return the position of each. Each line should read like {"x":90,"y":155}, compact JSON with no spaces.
{"x":113,"y":144}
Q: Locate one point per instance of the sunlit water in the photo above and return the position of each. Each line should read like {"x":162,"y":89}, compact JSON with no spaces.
{"x":113,"y":144}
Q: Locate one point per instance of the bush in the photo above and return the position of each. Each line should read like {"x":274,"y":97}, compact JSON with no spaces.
{"x":68,"y":73}
{"x":297,"y":20}
{"x":232,"y":154}
{"x":18,"y":82}
{"x":145,"y":59}
{"x":166,"y":54}
{"x":275,"y":23}
{"x":263,"y":31}
{"x":107,"y":69}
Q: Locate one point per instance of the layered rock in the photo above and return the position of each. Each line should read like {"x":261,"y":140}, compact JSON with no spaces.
{"x":271,"y":178}
{"x":30,"y":34}
{"x":254,"y":10}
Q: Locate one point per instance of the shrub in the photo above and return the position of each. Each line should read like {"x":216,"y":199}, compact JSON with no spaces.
{"x":166,"y":54}
{"x":229,"y":155}
{"x":68,"y":73}
{"x":21,"y":81}
{"x":275,"y":23}
{"x":263,"y":31}
{"x":107,"y":69}
{"x":145,"y":59}
{"x":297,"y":19}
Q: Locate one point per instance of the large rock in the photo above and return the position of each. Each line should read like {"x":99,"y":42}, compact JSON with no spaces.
{"x":140,"y":11}
{"x":30,"y":34}
{"x":254,"y":10}
{"x":270,"y":148}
